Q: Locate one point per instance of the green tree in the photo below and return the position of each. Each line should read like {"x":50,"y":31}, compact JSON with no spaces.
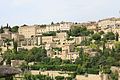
{"x":69,"y":78}
{"x":116,"y":36}
{"x":114,"y":75}
{"x":50,"y":33}
{"x":79,"y":31}
{"x":96,"y":36}
{"x":55,"y":61}
{"x":8,"y":55}
{"x":36,"y":54}
{"x":110,"y":60}
{"x":52,"y":23}
{"x":1,"y":30}
{"x":15,"y":45}
{"x":85,"y":42}
{"x":0,"y":50}
{"x":117,"y":46}
{"x":14,"y":29}
{"x":28,"y":76}
{"x":7,"y":41}
{"x":109,"y":36}
{"x":66,"y":61}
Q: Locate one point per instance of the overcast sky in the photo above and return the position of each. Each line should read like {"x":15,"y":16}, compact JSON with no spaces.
{"x":18,"y":12}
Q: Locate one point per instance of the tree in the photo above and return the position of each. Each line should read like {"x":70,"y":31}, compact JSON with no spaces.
{"x":103,"y":45}
{"x":1,"y":50}
{"x":109,"y":36}
{"x":79,"y":31}
{"x":110,"y":60}
{"x":66,"y":61}
{"x":116,"y":36}
{"x":36,"y":54}
{"x":96,"y":36}
{"x":55,"y":61}
{"x":117,"y":46}
{"x":50,"y":33}
{"x":8,"y":55}
{"x":52,"y":23}
{"x":15,"y":45}
{"x":28,"y":76}
{"x":94,"y":47}
{"x":85,"y":42}
{"x":1,"y":30}
{"x":114,"y":75}
{"x":14,"y":29}
{"x":7,"y":41}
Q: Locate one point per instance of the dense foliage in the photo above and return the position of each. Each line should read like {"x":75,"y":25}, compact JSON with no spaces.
{"x":51,"y":33}
{"x":35,"y":54}
{"x":79,"y":31}
{"x":110,"y":36}
{"x":28,"y":76}
{"x":14,"y":29}
{"x":1,"y":30}
{"x":66,"y":67}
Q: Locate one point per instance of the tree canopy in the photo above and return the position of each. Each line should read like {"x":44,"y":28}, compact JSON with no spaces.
{"x":109,"y":36}
{"x":79,"y":31}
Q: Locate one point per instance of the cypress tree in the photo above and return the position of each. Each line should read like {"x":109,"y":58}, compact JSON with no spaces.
{"x":116,"y":36}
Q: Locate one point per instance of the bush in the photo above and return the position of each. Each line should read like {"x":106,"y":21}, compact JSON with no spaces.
{"x":96,"y":36}
{"x":59,"y":77}
{"x":69,"y":78}
{"x":114,"y":76}
{"x":109,"y":36}
{"x":67,"y":67}
{"x":51,"y":33}
{"x":106,"y":71}
{"x":83,"y":70}
{"x":29,"y":76}
{"x":79,"y":31}
{"x":92,"y":71}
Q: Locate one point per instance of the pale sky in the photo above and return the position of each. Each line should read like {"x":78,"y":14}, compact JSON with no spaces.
{"x":18,"y":12}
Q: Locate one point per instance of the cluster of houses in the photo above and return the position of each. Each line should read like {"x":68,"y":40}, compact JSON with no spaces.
{"x":29,"y":36}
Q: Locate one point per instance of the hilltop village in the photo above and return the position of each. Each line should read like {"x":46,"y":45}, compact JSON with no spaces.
{"x":82,"y":48}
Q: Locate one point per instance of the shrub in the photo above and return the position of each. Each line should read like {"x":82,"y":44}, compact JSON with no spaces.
{"x":69,"y":78}
{"x":92,"y":71}
{"x":67,"y":67}
{"x":59,"y":77}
